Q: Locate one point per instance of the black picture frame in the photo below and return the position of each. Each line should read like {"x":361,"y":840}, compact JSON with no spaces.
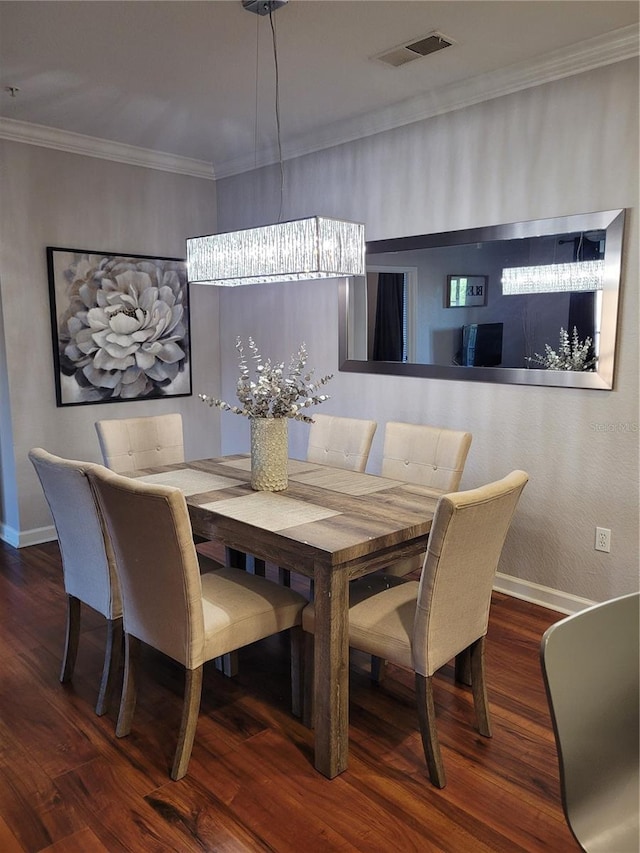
{"x":466,"y":291}
{"x":120,"y":326}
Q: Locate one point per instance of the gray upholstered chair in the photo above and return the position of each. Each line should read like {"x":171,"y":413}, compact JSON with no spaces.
{"x":88,"y":566}
{"x":426,"y":455}
{"x":341,"y":442}
{"x":590,"y":662}
{"x":131,"y":443}
{"x":423,"y":625}
{"x":169,"y":605}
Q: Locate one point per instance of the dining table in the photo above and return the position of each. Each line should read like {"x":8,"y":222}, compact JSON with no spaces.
{"x":330,"y":525}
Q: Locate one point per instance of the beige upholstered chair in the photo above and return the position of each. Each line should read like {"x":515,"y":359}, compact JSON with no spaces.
{"x":590,"y":666}
{"x":87,"y":561}
{"x":424,"y":625}
{"x":341,"y":442}
{"x":426,"y":455}
{"x":131,"y":443}
{"x":170,"y":606}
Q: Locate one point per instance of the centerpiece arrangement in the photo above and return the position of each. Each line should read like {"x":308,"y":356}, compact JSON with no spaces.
{"x":269,"y":400}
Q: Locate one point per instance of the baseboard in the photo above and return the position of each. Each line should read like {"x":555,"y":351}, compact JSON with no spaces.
{"x":24,"y":538}
{"x":554,"y":599}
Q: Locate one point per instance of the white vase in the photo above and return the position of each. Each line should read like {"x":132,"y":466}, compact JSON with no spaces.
{"x":269,"y":454}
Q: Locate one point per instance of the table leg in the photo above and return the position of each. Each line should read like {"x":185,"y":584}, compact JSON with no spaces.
{"x":235,"y":559}
{"x":331,"y":676}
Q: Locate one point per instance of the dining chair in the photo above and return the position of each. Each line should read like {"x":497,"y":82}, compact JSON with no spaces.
{"x":131,"y":443}
{"x":340,"y":442}
{"x":423,"y":625}
{"x":88,"y":566}
{"x":169,"y":605}
{"x":428,"y":456}
{"x":590,"y":663}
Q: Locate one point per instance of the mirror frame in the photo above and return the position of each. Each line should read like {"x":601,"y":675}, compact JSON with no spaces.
{"x":602,"y":378}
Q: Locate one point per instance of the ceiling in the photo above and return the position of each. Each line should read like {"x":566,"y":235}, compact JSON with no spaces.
{"x":196,"y":79}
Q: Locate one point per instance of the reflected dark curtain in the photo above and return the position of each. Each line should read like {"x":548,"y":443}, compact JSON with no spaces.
{"x":582,"y":306}
{"x":388,"y":338}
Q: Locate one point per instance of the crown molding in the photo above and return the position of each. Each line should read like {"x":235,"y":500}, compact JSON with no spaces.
{"x":607,"y":49}
{"x":91,"y":146}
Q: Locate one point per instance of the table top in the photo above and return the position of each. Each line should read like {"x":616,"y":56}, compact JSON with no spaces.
{"x":327,"y":516}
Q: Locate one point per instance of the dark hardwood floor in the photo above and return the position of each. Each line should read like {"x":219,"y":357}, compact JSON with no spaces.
{"x":67,"y":785}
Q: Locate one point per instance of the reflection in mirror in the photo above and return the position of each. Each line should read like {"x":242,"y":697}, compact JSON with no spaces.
{"x":530,"y":302}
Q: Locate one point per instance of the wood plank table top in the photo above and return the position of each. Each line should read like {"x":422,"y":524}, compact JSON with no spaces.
{"x":329,"y":524}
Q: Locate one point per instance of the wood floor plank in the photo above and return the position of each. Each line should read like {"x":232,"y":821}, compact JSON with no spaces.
{"x":84,"y":841}
{"x":8,"y":841}
{"x":68,"y":785}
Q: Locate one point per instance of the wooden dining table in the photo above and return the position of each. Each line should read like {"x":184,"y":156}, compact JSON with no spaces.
{"x":329,"y":525}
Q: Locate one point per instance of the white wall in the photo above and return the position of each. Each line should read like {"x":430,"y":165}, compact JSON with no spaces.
{"x":567,"y":147}
{"x":52,"y":198}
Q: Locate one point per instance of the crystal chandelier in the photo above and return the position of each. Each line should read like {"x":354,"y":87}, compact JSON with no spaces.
{"x":298,"y":250}
{"x":553,"y":278}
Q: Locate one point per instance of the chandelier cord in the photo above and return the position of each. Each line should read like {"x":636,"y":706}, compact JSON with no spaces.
{"x":255,"y":120}
{"x":277,"y":79}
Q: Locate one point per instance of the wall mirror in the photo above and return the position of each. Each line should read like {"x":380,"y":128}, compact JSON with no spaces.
{"x":489,"y":304}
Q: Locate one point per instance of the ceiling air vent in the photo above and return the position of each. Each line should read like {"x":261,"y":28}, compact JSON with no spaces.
{"x":414,"y":50}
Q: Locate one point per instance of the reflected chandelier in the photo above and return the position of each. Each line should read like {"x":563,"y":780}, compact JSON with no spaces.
{"x":298,"y":250}
{"x":553,"y":278}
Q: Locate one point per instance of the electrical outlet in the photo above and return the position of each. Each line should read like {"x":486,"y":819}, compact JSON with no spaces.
{"x":603,"y":539}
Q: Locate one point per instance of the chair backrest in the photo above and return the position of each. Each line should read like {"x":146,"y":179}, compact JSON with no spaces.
{"x":88,"y":564}
{"x":467,"y":536}
{"x":590,"y":662}
{"x":157,"y":564}
{"x":341,"y":442}
{"x":423,"y":454}
{"x":131,"y":443}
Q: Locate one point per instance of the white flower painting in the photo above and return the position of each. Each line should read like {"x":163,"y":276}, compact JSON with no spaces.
{"x":120,"y":326}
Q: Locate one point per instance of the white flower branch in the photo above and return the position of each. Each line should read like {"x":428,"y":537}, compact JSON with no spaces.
{"x":572,"y":354}
{"x":275,"y":393}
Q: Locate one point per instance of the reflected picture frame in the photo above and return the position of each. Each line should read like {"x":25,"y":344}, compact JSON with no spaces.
{"x":119,"y":325}
{"x":466,"y":291}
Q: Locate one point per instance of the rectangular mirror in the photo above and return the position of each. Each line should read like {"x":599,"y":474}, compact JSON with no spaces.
{"x":531,"y":303}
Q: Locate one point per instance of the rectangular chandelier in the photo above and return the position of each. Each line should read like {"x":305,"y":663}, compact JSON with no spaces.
{"x":553,"y":278}
{"x":298,"y":250}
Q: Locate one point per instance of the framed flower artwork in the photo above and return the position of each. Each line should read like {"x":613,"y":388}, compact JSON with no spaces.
{"x":120,"y":326}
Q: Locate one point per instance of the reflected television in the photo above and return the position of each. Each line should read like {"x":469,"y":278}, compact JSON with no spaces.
{"x":482,"y":345}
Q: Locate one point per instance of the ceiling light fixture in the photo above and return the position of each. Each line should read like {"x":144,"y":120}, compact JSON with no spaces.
{"x":299,"y":250}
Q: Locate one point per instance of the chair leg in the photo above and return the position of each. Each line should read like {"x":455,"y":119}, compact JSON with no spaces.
{"x":308,"y":678}
{"x":463,"y":667}
{"x":479,"y":687}
{"x":427,"y":718}
{"x":112,"y":652}
{"x":228,"y":664}
{"x":284,"y":576}
{"x":259,"y":567}
{"x":189,"y":721}
{"x":129,"y":687}
{"x":72,"y":637}
{"x":296,"y":638}
{"x":234,"y":559}
{"x":378,"y":669}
